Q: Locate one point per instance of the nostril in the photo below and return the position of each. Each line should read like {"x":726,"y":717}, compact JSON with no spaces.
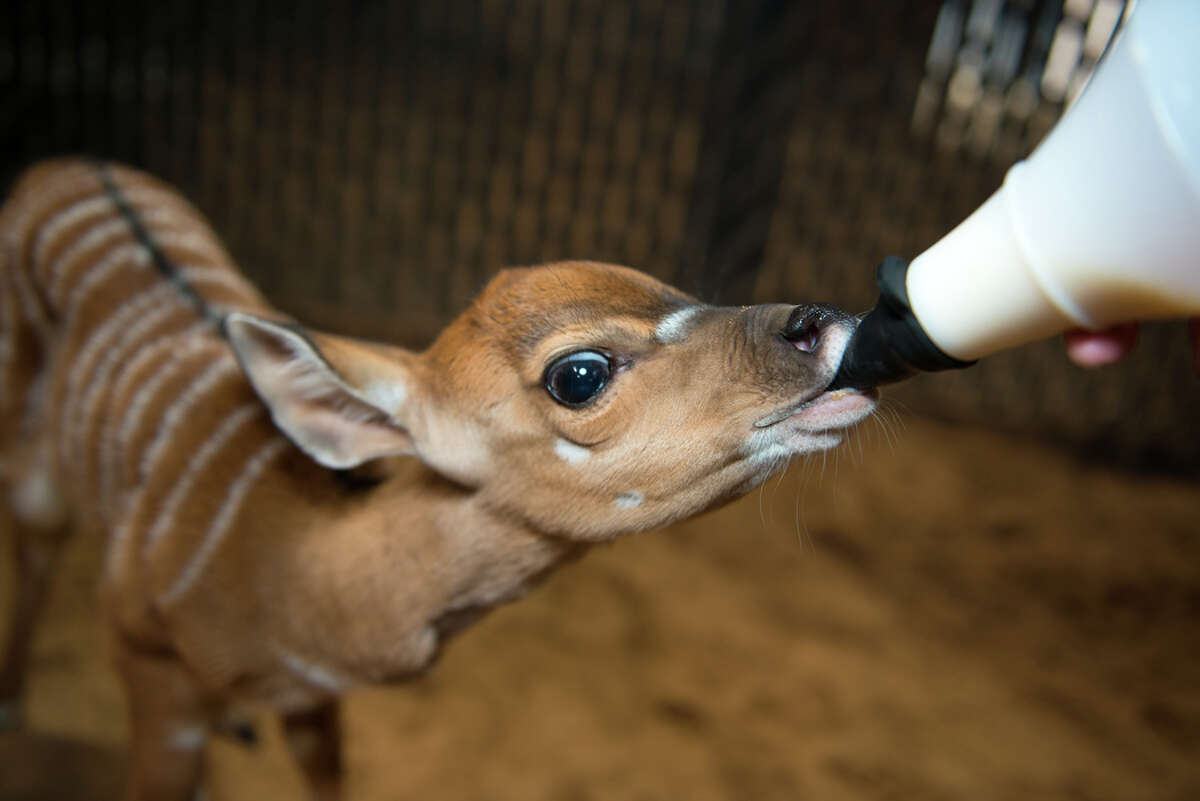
{"x":807,"y":338}
{"x":803,"y":327}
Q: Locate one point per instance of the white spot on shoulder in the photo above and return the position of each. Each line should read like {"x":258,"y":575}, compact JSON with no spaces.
{"x":674,"y":327}
{"x":629,"y":500}
{"x":571,"y":453}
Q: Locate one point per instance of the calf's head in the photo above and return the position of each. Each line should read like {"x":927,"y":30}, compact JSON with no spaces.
{"x":586,"y":400}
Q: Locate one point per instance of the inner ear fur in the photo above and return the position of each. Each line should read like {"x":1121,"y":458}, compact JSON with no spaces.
{"x":343,"y":402}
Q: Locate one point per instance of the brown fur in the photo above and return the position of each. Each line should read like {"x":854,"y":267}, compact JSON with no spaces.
{"x":241,"y":569}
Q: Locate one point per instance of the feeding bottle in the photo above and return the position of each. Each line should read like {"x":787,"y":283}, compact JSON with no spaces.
{"x":1100,"y":225}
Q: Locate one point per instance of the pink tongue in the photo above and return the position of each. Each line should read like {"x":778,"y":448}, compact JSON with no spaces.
{"x":832,"y":407}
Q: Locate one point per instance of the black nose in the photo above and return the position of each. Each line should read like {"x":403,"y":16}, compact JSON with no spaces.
{"x":804,"y":324}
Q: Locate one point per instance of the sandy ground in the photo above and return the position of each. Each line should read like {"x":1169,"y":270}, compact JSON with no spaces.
{"x":952,"y":615}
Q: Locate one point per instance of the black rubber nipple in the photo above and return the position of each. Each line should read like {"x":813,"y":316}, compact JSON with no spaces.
{"x":889,"y":344}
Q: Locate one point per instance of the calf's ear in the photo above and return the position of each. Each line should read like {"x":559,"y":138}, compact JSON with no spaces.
{"x":343,"y":403}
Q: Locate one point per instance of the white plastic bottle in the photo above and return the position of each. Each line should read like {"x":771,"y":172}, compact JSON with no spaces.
{"x":1100,"y":225}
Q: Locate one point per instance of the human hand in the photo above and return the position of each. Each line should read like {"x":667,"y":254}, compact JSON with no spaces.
{"x":1099,"y":348}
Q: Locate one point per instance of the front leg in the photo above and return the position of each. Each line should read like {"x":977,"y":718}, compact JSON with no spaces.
{"x":38,"y":539}
{"x":170,"y":724}
{"x":314,"y":737}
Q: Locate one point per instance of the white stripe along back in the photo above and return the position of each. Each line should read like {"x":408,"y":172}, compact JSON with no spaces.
{"x":223,"y":368}
{"x":124,"y":287}
{"x":152,"y":202}
{"x":89,"y":354}
{"x":228,"y":512}
{"x":60,"y":270}
{"x":180,"y":347}
{"x":149,"y":307}
{"x":196,"y":465}
{"x":88,"y":206}
{"x":97,"y":389}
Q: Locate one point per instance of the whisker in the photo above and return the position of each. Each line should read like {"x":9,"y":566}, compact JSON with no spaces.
{"x":762,"y":518}
{"x":801,"y":523}
{"x":882,"y":422}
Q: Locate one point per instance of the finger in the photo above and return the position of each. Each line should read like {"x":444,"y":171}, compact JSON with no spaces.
{"x":1099,"y":348}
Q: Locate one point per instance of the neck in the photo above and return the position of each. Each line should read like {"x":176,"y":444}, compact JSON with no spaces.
{"x":380,"y":582}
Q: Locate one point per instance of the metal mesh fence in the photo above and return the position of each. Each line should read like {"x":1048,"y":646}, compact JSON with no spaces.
{"x":371,"y":164}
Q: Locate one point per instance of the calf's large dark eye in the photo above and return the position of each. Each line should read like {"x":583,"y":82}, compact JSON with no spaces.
{"x":577,"y":378}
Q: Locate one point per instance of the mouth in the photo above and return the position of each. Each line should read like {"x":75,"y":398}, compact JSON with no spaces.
{"x":824,"y":409}
{"x":816,"y":424}
{"x":814,"y":421}
{"x":839,"y":408}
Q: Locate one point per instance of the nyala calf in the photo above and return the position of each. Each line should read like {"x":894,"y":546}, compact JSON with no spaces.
{"x":289,"y":513}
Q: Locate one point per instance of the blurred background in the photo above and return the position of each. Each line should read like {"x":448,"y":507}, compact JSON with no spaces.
{"x":371,"y":164}
{"x":980,"y":615}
